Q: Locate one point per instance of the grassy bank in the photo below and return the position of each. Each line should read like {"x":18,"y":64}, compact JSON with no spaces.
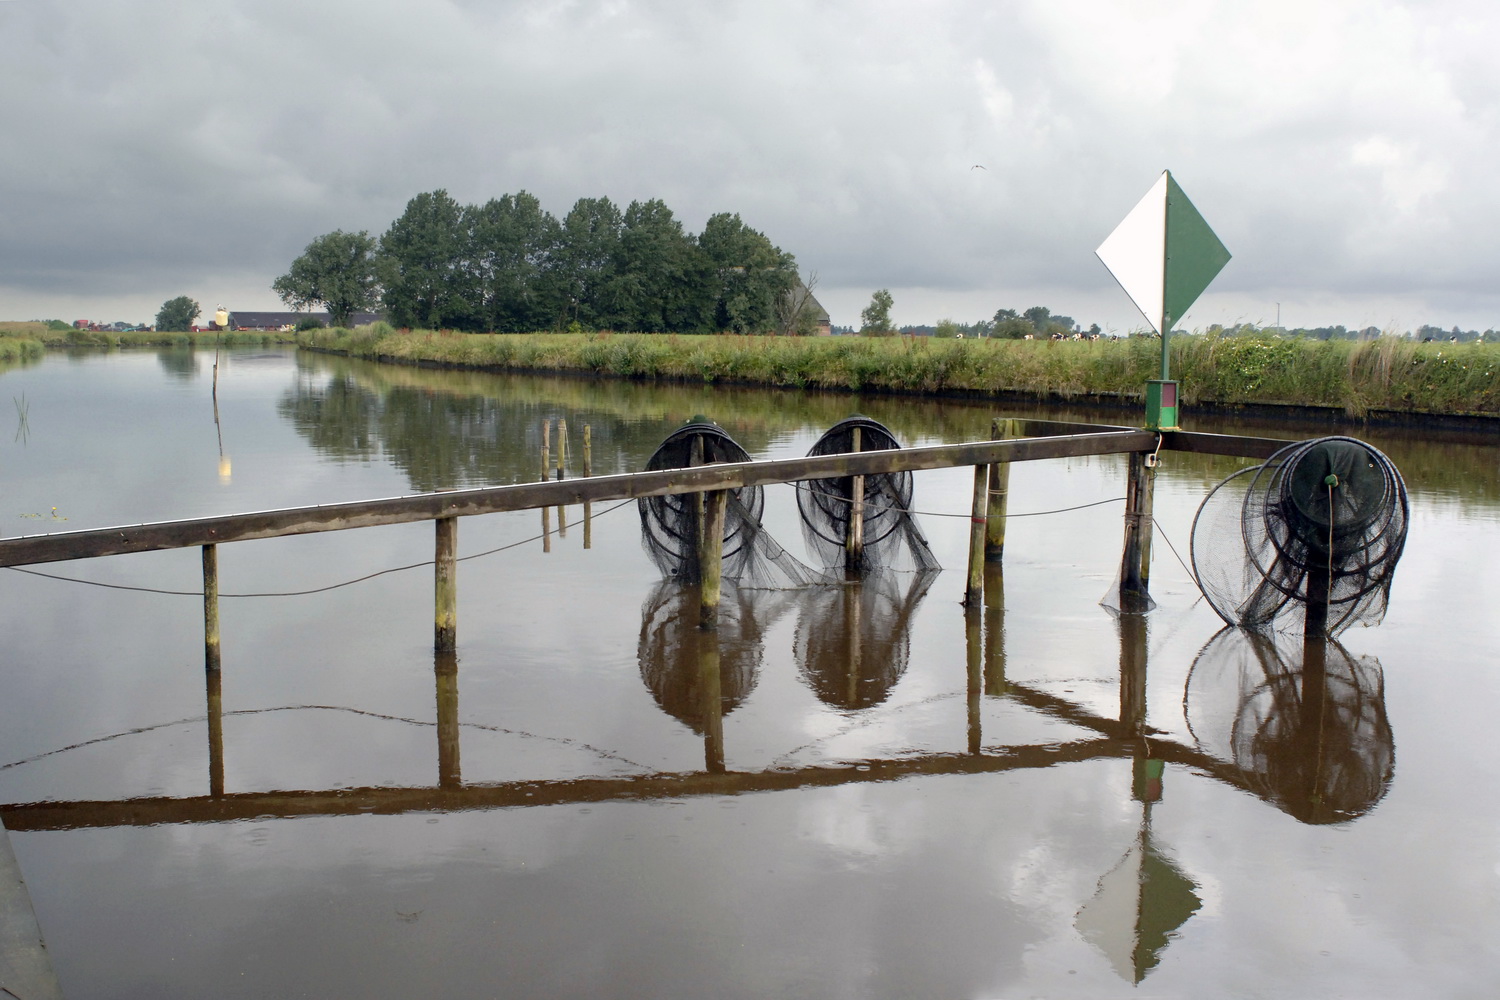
{"x":1355,"y":377}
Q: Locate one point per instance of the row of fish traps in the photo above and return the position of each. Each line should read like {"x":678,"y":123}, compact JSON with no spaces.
{"x":891,"y":537}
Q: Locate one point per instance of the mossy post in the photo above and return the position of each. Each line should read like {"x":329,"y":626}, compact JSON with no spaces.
{"x":1135,"y":562}
{"x":978,"y":525}
{"x":994,"y":531}
{"x":211,"y":659}
{"x":445,"y":585}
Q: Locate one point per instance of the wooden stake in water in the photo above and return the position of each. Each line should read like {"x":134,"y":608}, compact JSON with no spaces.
{"x":562,"y":446}
{"x":854,"y":541}
{"x":711,"y":556}
{"x":994,"y":534}
{"x":211,"y":608}
{"x":588,"y":470}
{"x":978,"y":518}
{"x":445,"y":585}
{"x":546,"y":447}
{"x":1135,"y":566}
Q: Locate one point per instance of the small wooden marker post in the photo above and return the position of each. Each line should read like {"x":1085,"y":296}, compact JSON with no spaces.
{"x":211,"y":659}
{"x":213,"y":676}
{"x":854,"y":541}
{"x":588,"y":470}
{"x":1135,"y":565}
{"x":711,"y":556}
{"x":562,"y":446}
{"x":546,"y":511}
{"x":994,"y":532}
{"x":445,"y":585}
{"x":979,"y":521}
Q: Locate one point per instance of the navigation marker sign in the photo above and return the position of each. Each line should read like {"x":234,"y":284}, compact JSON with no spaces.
{"x":1164,"y":255}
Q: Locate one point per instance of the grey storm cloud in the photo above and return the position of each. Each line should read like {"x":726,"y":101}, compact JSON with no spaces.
{"x":1340,"y":149}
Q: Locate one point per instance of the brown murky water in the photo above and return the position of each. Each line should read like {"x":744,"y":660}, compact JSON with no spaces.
{"x":913,"y":802}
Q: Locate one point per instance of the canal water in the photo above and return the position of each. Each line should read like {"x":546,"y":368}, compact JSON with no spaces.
{"x":914,"y":801}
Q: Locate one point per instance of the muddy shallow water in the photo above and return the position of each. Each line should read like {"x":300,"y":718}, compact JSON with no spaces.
{"x":914,"y":802}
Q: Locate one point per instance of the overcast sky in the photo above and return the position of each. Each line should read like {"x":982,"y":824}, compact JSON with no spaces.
{"x":1343,"y":150}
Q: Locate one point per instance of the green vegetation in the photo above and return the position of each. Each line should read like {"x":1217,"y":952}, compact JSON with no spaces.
{"x":875,"y":318}
{"x":43,"y":336}
{"x":337,"y":270}
{"x":177,"y":314}
{"x":1388,"y":373}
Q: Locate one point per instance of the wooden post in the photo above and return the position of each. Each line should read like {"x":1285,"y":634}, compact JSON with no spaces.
{"x":211,"y":608}
{"x":546,"y":447}
{"x":978,"y":518}
{"x":854,"y":540}
{"x":445,"y":671}
{"x":994,"y":534}
{"x":711,"y":556}
{"x":1135,"y":566}
{"x":588,"y":470}
{"x":562,"y":446}
{"x":445,"y":585}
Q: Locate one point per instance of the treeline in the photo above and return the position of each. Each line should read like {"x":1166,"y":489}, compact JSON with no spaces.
{"x":509,"y":266}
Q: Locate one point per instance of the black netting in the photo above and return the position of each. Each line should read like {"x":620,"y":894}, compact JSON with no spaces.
{"x":669,"y":524}
{"x":854,"y":641}
{"x":891,"y":536}
{"x":1320,"y":525}
{"x":1304,"y":723}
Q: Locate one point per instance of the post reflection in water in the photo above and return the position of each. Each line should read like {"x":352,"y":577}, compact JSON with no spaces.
{"x":853,"y":640}
{"x":699,"y":675}
{"x":445,"y":674}
{"x":1303,"y":721}
{"x":1142,"y":901}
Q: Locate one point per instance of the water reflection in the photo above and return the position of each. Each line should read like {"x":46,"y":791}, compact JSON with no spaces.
{"x":853,"y":640}
{"x":699,"y":675}
{"x":1303,"y":722}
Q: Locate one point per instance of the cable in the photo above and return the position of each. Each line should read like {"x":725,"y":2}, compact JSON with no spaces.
{"x":939,"y":513}
{"x":304,"y":593}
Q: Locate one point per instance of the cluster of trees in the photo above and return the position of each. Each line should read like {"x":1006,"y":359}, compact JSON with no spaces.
{"x":509,"y":266}
{"x":177,"y":315}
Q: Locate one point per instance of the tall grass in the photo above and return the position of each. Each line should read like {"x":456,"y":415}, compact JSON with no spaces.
{"x":1387,"y":373}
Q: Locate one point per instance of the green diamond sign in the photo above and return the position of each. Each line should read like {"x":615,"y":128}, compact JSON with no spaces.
{"x":1164,"y":255}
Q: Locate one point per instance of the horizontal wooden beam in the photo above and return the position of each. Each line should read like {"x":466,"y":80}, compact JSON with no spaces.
{"x":1221,"y":444}
{"x":89,"y":543}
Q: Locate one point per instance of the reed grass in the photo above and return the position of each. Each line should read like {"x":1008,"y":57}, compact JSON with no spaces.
{"x":1388,"y":373}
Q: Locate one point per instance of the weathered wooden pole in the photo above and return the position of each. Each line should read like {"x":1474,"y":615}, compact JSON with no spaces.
{"x":445,"y":672}
{"x":562,"y":446}
{"x":994,"y":533}
{"x":854,"y":539}
{"x":546,"y":447}
{"x":1135,"y":566}
{"x":445,"y":585}
{"x":979,"y":519}
{"x":213,"y":675}
{"x":588,"y":470}
{"x":711,"y":556}
{"x":211,"y":607}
